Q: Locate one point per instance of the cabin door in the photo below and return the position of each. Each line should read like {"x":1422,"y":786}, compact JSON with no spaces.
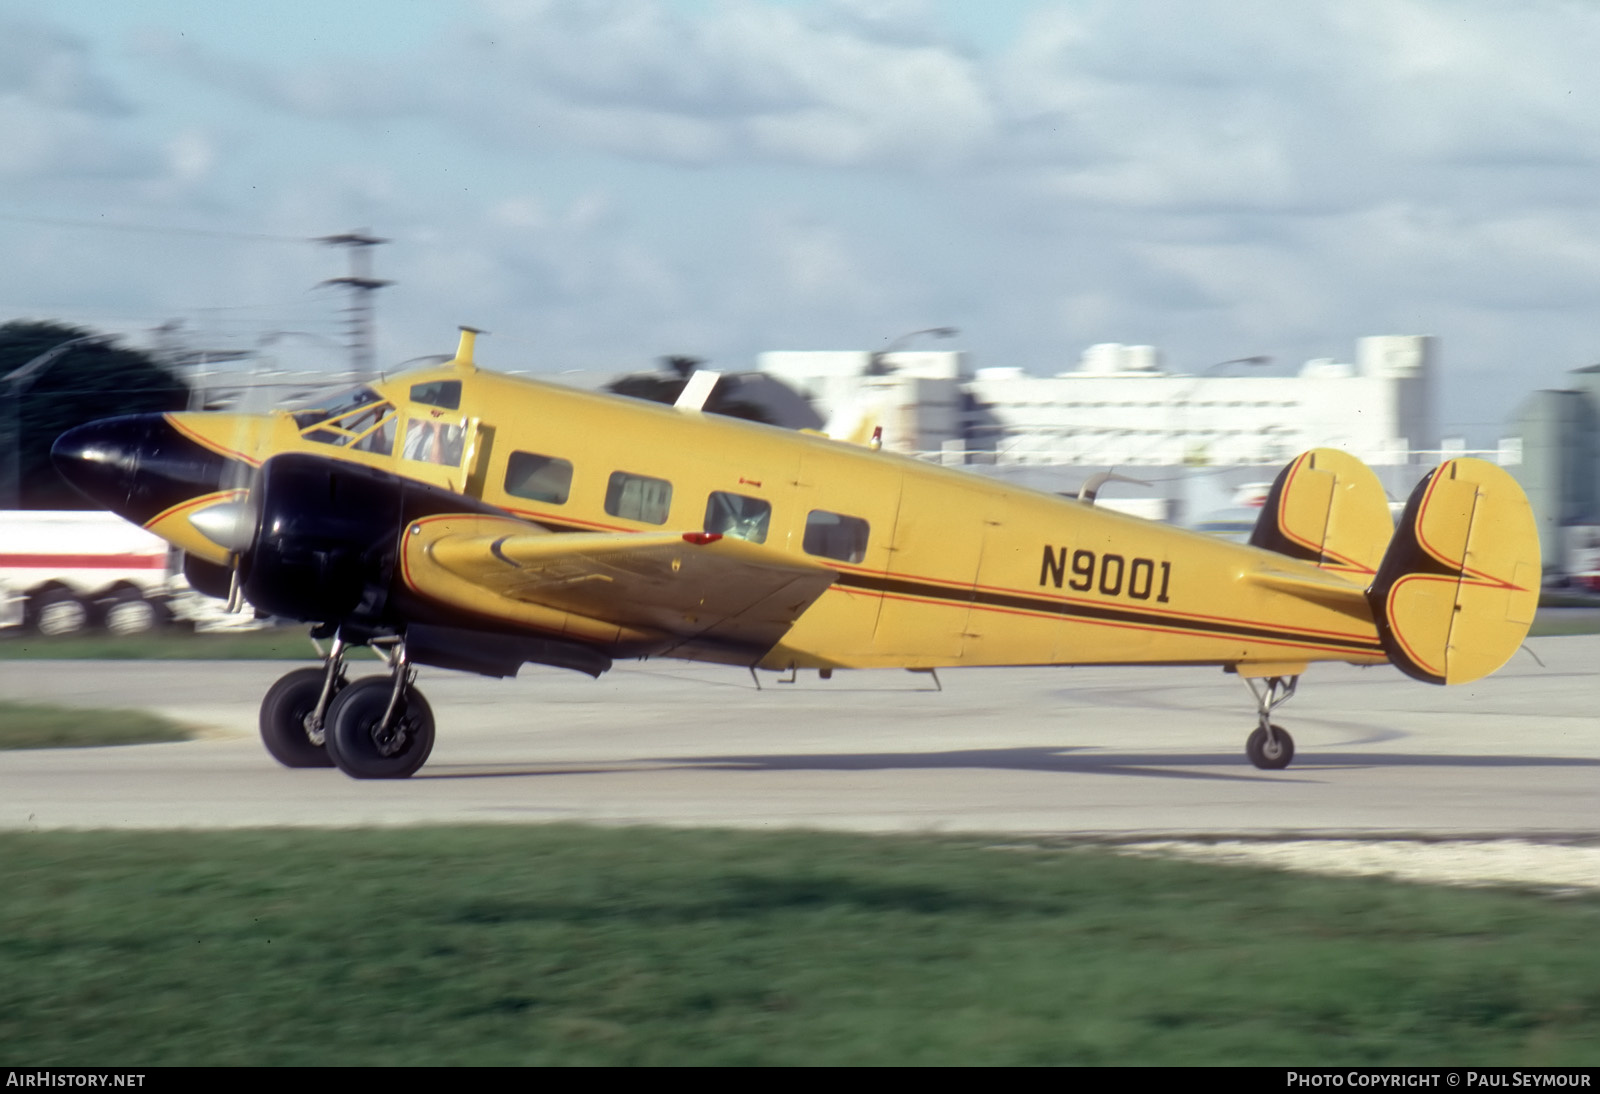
{"x":842,"y":514}
{"x":933,"y":566}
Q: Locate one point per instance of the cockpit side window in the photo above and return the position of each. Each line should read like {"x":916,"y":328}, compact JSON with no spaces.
{"x":441,"y":393}
{"x":434,"y":440}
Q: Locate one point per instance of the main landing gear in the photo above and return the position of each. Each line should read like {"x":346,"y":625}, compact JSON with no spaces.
{"x":377,"y":727}
{"x":1270,"y":747}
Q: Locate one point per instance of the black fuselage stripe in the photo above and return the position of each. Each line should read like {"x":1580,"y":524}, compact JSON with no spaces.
{"x":1095,"y":612}
{"x":925,"y":590}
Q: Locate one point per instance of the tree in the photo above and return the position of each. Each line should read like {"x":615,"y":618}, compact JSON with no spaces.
{"x":665,"y":385}
{"x":89,"y":381}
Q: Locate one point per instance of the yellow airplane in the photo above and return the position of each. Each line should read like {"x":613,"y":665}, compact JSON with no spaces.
{"x":475,"y":521}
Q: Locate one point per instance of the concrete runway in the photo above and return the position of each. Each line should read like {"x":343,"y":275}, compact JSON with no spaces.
{"x":1070,"y":752}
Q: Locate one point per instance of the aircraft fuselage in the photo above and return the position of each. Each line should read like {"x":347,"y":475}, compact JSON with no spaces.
{"x":936,"y":567}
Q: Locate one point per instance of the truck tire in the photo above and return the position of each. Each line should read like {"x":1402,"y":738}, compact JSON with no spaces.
{"x":55,"y":613}
{"x":127,"y":612}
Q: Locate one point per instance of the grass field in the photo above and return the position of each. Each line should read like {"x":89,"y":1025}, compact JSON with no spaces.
{"x":267,"y":644}
{"x":545,"y":945}
{"x":39,"y":725}
{"x":1559,"y":621}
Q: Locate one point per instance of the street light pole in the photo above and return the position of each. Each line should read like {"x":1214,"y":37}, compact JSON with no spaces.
{"x":17,"y":382}
{"x":1181,"y":514}
{"x":878,"y":366}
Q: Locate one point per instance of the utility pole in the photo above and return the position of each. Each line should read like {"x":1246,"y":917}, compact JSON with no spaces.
{"x":362,"y":285}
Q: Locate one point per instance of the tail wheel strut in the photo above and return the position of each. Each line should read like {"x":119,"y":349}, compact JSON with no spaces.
{"x":1270,"y":747}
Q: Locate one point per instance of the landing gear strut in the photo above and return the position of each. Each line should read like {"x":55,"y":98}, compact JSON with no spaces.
{"x":381,"y":728}
{"x":1270,"y":747}
{"x":295,"y":711}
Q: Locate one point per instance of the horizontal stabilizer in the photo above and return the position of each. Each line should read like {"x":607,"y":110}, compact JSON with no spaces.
{"x":1327,"y":508}
{"x":1328,"y":589}
{"x":1459,"y":585}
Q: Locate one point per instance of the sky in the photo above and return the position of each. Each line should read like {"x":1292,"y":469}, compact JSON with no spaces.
{"x":601,"y":184}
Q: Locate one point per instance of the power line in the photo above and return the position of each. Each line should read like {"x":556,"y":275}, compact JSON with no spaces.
{"x":153,"y":229}
{"x":360,"y":283}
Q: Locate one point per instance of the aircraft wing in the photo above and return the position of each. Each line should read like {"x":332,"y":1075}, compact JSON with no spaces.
{"x":691,"y":588}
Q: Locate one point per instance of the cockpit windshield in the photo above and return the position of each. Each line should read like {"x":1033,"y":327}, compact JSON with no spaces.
{"x":359,"y":419}
{"x":336,"y":406}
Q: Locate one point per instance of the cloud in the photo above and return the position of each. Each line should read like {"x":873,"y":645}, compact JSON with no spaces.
{"x":60,"y":120}
{"x":625,"y":179}
{"x":1144,"y":104}
{"x":741,"y":81}
{"x":52,"y":68}
{"x":38,"y":144}
{"x":1309,"y":107}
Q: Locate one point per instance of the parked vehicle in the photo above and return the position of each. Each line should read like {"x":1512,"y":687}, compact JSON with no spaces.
{"x":67,"y":572}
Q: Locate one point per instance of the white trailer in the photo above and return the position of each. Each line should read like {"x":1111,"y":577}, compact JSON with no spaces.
{"x":65,"y":572}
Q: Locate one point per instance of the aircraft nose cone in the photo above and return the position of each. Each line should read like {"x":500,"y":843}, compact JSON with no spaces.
{"x":140,"y":466}
{"x":100,"y":459}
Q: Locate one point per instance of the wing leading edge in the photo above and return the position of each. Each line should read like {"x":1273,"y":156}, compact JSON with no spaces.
{"x":690,"y":594}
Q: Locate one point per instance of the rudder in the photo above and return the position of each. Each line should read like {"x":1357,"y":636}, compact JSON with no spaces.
{"x":1457,"y":589}
{"x":1328,"y":508}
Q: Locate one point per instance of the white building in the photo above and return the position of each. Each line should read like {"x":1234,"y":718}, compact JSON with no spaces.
{"x":1119,"y":407}
{"x":916,"y":396}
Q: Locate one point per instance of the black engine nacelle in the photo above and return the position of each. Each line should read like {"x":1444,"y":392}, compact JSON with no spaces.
{"x":325,"y":539}
{"x":327,"y":535}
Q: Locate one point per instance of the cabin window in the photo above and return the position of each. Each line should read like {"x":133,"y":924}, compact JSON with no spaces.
{"x":538,"y":478}
{"x":432,"y":440}
{"x":738,"y":516}
{"x":638,"y":497}
{"x":445,"y":393}
{"x":831,"y":535}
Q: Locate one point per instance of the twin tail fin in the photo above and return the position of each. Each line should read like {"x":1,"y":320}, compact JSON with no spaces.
{"x":1329,"y":509}
{"x":1458,"y":587}
{"x":1452,"y":591}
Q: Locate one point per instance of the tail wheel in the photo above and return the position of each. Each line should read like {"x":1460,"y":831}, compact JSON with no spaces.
{"x":1270,"y":751}
{"x":284,"y":713}
{"x":364,"y":745}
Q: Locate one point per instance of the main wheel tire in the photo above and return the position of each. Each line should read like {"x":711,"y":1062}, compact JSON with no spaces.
{"x":126,"y":612}
{"x":57,"y":613}
{"x":1270,"y":753}
{"x":362,"y":748}
{"x":284,"y":711}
